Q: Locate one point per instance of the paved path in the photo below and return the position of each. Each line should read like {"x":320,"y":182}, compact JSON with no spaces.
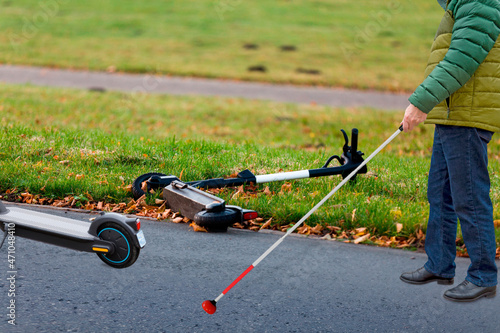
{"x":305,"y":285}
{"x":204,"y":87}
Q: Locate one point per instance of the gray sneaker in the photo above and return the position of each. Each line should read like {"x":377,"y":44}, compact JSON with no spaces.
{"x":468,"y":292}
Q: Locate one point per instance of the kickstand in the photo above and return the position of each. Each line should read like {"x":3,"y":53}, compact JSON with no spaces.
{"x":4,"y":234}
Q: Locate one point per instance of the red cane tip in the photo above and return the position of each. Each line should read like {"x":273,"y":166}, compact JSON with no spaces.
{"x":209,"y":306}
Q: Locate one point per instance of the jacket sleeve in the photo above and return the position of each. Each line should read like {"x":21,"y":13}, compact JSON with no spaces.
{"x":476,"y":29}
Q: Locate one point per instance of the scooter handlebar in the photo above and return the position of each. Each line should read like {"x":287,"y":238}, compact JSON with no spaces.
{"x":354,"y":141}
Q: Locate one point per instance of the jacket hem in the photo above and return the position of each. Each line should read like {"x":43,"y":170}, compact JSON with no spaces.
{"x":448,"y":122}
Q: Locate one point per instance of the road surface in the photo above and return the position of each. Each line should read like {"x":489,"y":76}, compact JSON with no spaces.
{"x":305,"y":285}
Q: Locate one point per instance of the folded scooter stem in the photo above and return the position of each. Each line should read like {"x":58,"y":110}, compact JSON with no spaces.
{"x":305,"y":217}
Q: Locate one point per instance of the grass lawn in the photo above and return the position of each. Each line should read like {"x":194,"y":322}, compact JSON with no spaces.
{"x":90,"y":145}
{"x":364,"y":44}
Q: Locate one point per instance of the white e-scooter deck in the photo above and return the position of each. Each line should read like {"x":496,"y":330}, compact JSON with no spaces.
{"x":116,"y":239}
{"x":46,"y":222}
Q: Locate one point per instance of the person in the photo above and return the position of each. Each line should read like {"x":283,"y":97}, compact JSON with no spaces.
{"x":461,"y":97}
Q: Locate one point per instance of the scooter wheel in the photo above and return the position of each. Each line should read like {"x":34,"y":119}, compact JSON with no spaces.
{"x":137,"y":191}
{"x":216,"y":221}
{"x":126,"y":253}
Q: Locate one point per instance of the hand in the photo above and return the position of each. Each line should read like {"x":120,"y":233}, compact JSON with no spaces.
{"x":413,"y":116}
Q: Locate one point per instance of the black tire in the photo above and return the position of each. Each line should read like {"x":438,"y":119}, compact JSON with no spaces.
{"x":137,"y":191}
{"x":216,"y":221}
{"x":126,"y":252}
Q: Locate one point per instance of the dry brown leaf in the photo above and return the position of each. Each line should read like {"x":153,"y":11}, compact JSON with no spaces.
{"x":267,"y":191}
{"x":313,"y":194}
{"x":162,"y":207}
{"x":164,"y":215}
{"x":287,"y":187}
{"x":27,"y":198}
{"x":159,"y":201}
{"x":267,"y":224}
{"x":284,"y":228}
{"x":420,"y":235}
{"x":304,"y":230}
{"x":462,"y":251}
{"x":360,"y":230}
{"x":240,"y":192}
{"x":399,"y":227}
{"x":178,"y":220}
{"x":140,"y":202}
{"x":130,"y":209}
{"x":318,"y":229}
{"x":89,"y":206}
{"x":353,"y":216}
{"x":334,"y":229}
{"x":197,"y":228}
{"x":361,"y":239}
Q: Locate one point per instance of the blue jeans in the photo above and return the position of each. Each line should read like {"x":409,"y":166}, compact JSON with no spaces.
{"x":459,"y":188}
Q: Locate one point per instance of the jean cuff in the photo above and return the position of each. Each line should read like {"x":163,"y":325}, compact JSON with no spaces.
{"x":446,"y":276}
{"x":481,"y":284}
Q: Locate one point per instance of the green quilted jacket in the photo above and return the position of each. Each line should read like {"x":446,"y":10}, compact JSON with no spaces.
{"x":462,"y":85}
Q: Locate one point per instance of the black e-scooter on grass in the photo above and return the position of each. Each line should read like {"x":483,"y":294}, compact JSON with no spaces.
{"x":116,"y":239}
{"x":210,"y":211}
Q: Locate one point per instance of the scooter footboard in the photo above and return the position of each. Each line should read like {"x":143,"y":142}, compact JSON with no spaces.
{"x":188,"y":200}
{"x":205,"y":209}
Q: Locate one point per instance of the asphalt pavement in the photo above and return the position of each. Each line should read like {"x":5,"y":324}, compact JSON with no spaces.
{"x":156,"y":84}
{"x":305,"y":285}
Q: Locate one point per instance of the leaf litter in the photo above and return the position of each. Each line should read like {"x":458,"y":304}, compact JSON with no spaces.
{"x":159,"y":211}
